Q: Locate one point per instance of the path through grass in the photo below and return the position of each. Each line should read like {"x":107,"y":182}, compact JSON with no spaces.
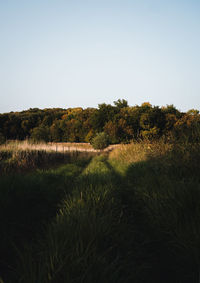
{"x":104,"y":220}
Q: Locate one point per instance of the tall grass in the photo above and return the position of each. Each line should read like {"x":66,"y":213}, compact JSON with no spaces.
{"x":166,"y":183}
{"x":31,"y":199}
{"x":15,"y":159}
{"x":62,"y":147}
{"x":81,"y":244}
{"x":128,"y":216}
{"x":140,"y":151}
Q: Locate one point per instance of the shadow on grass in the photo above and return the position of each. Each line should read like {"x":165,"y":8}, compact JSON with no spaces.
{"x":28,"y":202}
{"x":142,"y":226}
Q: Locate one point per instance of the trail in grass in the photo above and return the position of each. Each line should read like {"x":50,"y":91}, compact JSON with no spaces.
{"x":83,"y":242}
{"x":28,"y":202}
{"x":103,"y":221}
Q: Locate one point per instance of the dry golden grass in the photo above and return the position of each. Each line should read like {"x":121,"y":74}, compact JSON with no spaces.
{"x":25,"y":156}
{"x":52,"y":146}
{"x":139,"y":151}
{"x":58,"y":147}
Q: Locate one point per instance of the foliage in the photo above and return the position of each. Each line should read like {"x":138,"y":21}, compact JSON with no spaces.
{"x":187,"y":129}
{"x":40,"y":133}
{"x":100,"y":141}
{"x":121,"y":103}
{"x":123,"y":123}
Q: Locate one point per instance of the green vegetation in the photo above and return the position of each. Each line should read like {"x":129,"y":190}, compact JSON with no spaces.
{"x":131,"y":215}
{"x":100,"y":141}
{"x":40,"y":133}
{"x":128,"y":216}
{"x":121,"y":122}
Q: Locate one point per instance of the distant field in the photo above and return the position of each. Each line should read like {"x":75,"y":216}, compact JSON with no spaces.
{"x":52,"y":146}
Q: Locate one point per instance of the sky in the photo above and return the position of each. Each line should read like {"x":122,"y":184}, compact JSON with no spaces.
{"x":81,"y":53}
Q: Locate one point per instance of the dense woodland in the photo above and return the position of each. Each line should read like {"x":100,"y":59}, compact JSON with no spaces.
{"x":122,"y":123}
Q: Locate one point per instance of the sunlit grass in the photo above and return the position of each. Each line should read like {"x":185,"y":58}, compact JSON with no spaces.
{"x":21,"y":157}
{"x":139,"y":151}
{"x":128,"y":216}
{"x":62,"y":147}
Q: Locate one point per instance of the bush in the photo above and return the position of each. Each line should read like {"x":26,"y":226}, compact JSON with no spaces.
{"x":100,"y":141}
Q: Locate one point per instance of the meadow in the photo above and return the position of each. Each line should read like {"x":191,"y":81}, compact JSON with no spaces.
{"x":128,"y":214}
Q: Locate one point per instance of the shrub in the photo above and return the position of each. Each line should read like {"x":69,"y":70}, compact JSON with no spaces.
{"x":100,"y":141}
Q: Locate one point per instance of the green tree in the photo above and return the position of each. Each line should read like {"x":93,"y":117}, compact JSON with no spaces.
{"x":40,"y":133}
{"x":100,"y":141}
{"x":56,"y":131}
{"x":101,"y":116}
{"x":121,"y":103}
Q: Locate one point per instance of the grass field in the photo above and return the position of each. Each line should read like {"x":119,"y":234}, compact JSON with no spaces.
{"x":128,"y":215}
{"x":51,"y":146}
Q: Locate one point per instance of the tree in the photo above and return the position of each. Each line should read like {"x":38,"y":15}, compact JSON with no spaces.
{"x":121,"y":103}
{"x":193,"y":112}
{"x":171,"y":109}
{"x":187,"y":129}
{"x":100,"y":141}
{"x":100,"y":117}
{"x":40,"y":133}
{"x":111,"y":129}
{"x":56,"y":132}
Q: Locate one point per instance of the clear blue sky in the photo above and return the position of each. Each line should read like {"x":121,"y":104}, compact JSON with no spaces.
{"x":68,"y":53}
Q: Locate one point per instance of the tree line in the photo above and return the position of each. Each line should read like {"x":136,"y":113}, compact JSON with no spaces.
{"x":121,"y":122}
